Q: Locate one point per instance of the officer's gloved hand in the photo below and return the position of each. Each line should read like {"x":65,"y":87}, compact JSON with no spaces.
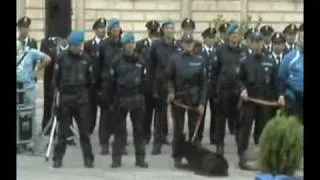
{"x":281,"y":101}
{"x":244,"y":94}
{"x":201,"y":109}
{"x":170,"y":97}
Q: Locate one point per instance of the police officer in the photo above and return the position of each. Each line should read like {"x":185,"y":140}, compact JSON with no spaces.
{"x":23,"y":27}
{"x":278,"y":47}
{"x":229,"y":59}
{"x":258,"y":79}
{"x":291,"y":79}
{"x":160,"y":53}
{"x":187,"y":85}
{"x":51,"y":46}
{"x":208,"y":53}
{"x":152,"y":27}
{"x":109,"y":48}
{"x":143,"y":49}
{"x":73,"y":79}
{"x":247,"y":36}
{"x":266,"y":32}
{"x":222,"y":34}
{"x":91,"y":47}
{"x":187,"y":26}
{"x":129,"y":75}
{"x":290,"y":33}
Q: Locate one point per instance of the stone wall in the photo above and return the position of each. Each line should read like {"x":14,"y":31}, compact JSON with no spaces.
{"x":134,"y":13}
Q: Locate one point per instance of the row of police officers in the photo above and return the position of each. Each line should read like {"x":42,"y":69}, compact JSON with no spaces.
{"x":121,"y":76}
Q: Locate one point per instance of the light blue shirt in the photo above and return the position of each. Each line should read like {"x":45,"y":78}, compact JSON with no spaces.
{"x":26,"y":67}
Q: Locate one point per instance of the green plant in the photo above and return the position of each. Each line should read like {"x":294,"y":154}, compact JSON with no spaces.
{"x":281,"y":145}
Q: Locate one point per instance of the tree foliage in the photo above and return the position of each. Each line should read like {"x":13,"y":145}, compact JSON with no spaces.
{"x":281,"y":145}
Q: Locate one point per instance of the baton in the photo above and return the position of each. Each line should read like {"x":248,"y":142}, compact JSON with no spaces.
{"x":259,"y":101}
{"x":198,"y":120}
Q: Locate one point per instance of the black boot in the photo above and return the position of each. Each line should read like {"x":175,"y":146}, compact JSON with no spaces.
{"x":71,"y":141}
{"x":57,"y":163}
{"x":220,"y":149}
{"x":140,"y":161}
{"x":116,"y":161}
{"x":178,"y":163}
{"x":104,"y":149}
{"x":166,"y":141}
{"x":124,"y":151}
{"x":88,"y":163}
{"x":156,"y":150}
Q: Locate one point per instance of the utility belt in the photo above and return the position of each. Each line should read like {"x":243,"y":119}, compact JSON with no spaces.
{"x":129,"y":102}
{"x":72,"y":89}
{"x":127,"y":92}
{"x":190,"y":97}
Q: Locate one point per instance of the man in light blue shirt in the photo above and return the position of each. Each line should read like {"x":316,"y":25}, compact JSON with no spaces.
{"x":26,"y":73}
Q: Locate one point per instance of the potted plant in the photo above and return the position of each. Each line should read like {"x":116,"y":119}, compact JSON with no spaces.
{"x":280,"y":148}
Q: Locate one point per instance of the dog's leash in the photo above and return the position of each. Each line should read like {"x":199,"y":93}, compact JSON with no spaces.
{"x":177,"y":103}
{"x":259,"y":101}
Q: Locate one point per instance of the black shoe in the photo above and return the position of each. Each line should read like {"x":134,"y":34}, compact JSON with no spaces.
{"x":156,"y":150}
{"x":57,"y":163}
{"x":178,"y":163}
{"x":104,"y":149}
{"x":140,"y":161}
{"x":166,"y":141}
{"x":147,"y":140}
{"x":213,"y":141}
{"x":124,"y":151}
{"x":220,"y":149}
{"x":116,"y":162}
{"x":88,"y":163}
{"x":71,"y":142}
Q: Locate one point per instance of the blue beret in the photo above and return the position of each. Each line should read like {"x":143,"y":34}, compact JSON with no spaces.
{"x":76,"y":38}
{"x":127,"y":38}
{"x":167,"y":22}
{"x":232,"y":28}
{"x":113,"y":23}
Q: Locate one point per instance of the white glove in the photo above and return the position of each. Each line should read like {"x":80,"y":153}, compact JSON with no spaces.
{"x":244,"y":94}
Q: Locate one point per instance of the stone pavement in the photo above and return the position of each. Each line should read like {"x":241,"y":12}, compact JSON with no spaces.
{"x":160,"y":167}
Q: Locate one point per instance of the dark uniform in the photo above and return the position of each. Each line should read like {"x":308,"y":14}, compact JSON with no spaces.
{"x":229,"y":59}
{"x":209,"y":55}
{"x":129,"y":76}
{"x":186,"y":24}
{"x":258,"y":75}
{"x":187,"y":76}
{"x":73,"y":80}
{"x":91,"y":47}
{"x":290,"y":29}
{"x":109,"y":48}
{"x":278,"y":38}
{"x":160,"y":53}
{"x":222,"y":30}
{"x":267,"y":32}
{"x":143,"y":49}
{"x":51,"y":47}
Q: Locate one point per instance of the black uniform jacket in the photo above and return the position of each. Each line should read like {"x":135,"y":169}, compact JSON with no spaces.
{"x":258,"y":74}
{"x":228,"y":68}
{"x":160,"y":54}
{"x":73,"y":77}
{"x":187,"y":76}
{"x":108,"y":51}
{"x":91,"y":47}
{"x":211,"y":60}
{"x":129,"y":79}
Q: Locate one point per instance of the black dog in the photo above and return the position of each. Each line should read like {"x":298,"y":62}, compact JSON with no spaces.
{"x":201,"y":160}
